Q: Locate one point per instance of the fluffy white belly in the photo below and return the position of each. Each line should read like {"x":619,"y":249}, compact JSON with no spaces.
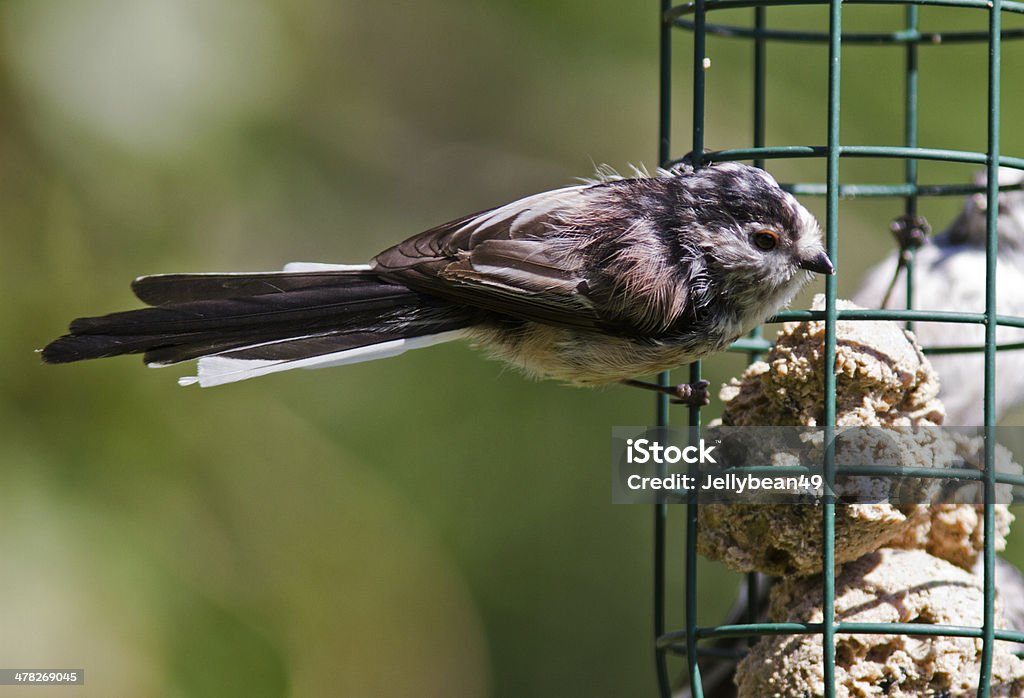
{"x":582,"y":357}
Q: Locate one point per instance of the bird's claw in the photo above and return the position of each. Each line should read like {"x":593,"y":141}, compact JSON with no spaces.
{"x":693,"y":394}
{"x":910,"y":231}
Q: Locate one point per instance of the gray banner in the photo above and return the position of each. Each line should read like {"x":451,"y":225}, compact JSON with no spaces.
{"x":779,"y":465}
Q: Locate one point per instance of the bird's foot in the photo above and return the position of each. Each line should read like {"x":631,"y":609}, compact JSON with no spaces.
{"x":910,"y":231}
{"x":693,"y":394}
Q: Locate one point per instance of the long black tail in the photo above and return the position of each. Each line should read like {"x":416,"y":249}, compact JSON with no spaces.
{"x":264,"y":317}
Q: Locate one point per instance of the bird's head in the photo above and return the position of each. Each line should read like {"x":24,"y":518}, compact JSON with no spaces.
{"x":755,"y":233}
{"x":971,"y":225}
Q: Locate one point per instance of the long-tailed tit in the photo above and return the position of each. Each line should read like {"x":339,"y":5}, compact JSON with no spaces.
{"x":588,"y":284}
{"x":949,"y":274}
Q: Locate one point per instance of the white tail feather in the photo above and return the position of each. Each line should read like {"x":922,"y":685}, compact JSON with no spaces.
{"x":320,"y":266}
{"x":288,"y":269}
{"x":218,"y":370}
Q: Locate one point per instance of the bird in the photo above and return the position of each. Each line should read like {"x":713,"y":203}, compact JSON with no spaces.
{"x":949,"y":274}
{"x":589,"y":284}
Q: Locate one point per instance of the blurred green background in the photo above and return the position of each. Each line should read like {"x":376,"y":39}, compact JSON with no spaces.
{"x":431,"y":525}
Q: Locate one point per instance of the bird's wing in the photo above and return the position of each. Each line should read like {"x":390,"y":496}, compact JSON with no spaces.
{"x":512,"y":260}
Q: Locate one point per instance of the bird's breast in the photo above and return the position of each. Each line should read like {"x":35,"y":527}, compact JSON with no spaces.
{"x":587,"y":357}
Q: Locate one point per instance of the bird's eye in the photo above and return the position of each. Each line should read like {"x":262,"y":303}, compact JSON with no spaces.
{"x":766,"y":239}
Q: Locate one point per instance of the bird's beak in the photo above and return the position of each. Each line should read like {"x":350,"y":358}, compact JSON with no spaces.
{"x":817,"y":261}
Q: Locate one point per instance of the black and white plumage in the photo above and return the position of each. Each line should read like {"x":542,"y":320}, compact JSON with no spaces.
{"x":588,"y":284}
{"x":949,"y":274}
